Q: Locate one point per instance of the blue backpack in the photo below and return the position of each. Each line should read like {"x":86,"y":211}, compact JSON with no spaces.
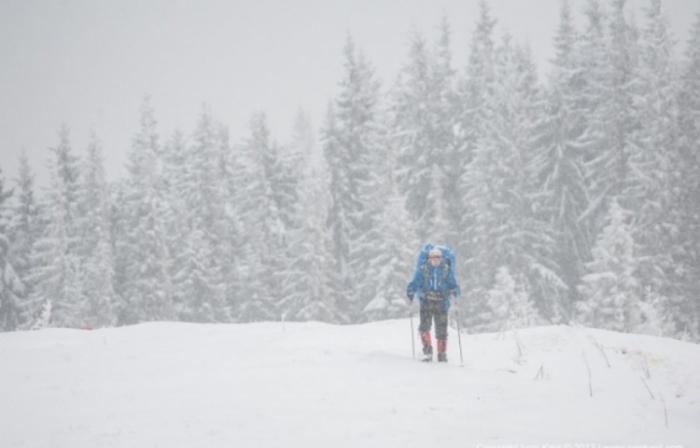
{"x":447,"y":254}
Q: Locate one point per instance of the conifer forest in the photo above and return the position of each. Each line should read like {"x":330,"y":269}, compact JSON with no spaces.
{"x":571,"y":196}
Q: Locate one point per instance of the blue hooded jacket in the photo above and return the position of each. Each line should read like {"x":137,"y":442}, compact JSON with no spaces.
{"x":428,"y":279}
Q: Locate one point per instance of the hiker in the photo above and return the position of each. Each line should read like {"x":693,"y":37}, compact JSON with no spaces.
{"x":435,"y":283}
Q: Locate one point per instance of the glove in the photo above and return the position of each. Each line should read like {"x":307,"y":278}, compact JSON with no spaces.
{"x":410,"y":294}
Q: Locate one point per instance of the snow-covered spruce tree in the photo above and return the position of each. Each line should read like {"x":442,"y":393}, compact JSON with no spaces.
{"x":197,"y":297}
{"x":396,"y":239}
{"x":55,"y":261}
{"x":198,"y":272}
{"x":24,"y":230}
{"x":177,"y":218}
{"x":284,"y":167}
{"x":258,"y":253}
{"x":11,"y":287}
{"x":352,"y":144}
{"x":653,"y":158}
{"x":610,"y":290}
{"x":472,"y":119}
{"x":411,"y":118}
{"x":685,"y":309}
{"x":654,"y":314}
{"x":44,"y":317}
{"x":500,"y":187}
{"x":228,"y":155}
{"x":307,"y":292}
{"x":330,"y":145}
{"x":142,"y":249}
{"x":510,"y":303}
{"x":422,"y":127}
{"x":610,"y":58}
{"x":118,"y":225}
{"x":558,"y":158}
{"x":592,"y":83}
{"x":446,"y":107}
{"x":380,"y":238}
{"x":99,"y":301}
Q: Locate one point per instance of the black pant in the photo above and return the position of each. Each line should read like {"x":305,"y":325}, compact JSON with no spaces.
{"x":433,"y":309}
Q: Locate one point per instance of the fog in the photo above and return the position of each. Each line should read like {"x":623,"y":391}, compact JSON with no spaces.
{"x":88,"y":64}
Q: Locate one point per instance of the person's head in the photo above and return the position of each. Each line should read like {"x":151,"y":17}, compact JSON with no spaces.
{"x":435,"y":256}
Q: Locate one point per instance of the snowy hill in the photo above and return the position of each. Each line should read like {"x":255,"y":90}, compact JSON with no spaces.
{"x":317,"y":385}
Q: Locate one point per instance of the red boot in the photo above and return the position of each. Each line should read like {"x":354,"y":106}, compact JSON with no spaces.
{"x":442,"y":350}
{"x":427,"y":346}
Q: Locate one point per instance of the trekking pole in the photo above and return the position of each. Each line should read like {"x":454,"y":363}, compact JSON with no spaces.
{"x":413,"y":339}
{"x":459,"y":339}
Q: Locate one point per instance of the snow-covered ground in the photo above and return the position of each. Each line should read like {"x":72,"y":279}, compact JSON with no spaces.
{"x":316,"y":385}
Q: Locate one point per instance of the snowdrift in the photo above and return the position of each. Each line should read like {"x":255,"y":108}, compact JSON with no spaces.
{"x":317,"y":385}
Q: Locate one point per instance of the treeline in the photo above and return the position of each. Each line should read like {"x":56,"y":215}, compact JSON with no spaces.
{"x":570,"y":198}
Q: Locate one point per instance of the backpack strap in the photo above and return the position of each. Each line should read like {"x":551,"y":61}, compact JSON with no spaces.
{"x":434,"y":295}
{"x":424,"y":270}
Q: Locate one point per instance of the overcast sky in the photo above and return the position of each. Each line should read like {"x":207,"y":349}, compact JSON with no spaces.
{"x":89,"y":63}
